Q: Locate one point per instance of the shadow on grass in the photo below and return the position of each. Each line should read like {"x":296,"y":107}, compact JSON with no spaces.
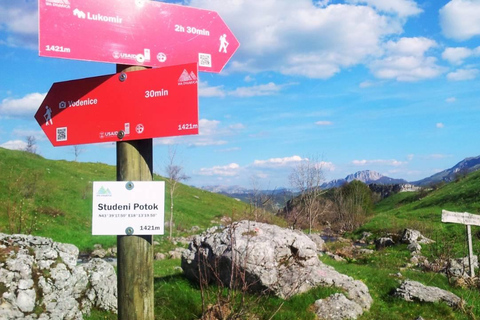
{"x":177,"y":298}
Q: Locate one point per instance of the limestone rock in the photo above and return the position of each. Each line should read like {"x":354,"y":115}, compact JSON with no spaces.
{"x":384,"y":242}
{"x":99,"y":253}
{"x":461,"y":267}
{"x":39,"y":272}
{"x":176,"y":254}
{"x":103,"y":281}
{"x":415,"y":291}
{"x":414,"y":236}
{"x":318,"y":241}
{"x":337,"y":307}
{"x":269,"y":259}
{"x":414,"y":247}
{"x":159,"y":256}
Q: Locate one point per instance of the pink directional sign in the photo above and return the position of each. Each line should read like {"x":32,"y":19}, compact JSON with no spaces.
{"x":134,"y":32}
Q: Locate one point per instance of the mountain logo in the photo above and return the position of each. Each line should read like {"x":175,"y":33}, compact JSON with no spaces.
{"x":187,"y":78}
{"x":79,"y":14}
{"x":104,"y":192}
{"x":96,"y":17}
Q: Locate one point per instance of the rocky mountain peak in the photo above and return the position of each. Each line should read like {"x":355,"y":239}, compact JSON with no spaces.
{"x":365,"y":176}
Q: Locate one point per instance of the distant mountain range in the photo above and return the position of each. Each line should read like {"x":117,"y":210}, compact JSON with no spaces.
{"x":367,"y":176}
{"x":465,"y":166}
{"x":277,"y":197}
{"x":242,"y":192}
{"x":227,"y":189}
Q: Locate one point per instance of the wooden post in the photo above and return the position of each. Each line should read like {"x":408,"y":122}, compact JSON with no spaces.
{"x":470,"y":250}
{"x":135,"y":253}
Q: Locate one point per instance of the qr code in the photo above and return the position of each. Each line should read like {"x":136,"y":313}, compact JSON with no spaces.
{"x":62,"y":134}
{"x":205,"y":60}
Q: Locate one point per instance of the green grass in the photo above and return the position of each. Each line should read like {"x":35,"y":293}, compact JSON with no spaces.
{"x":423,"y":210}
{"x":176,"y":298}
{"x":55,"y":197}
{"x":379,"y":273}
{"x":58,"y":195}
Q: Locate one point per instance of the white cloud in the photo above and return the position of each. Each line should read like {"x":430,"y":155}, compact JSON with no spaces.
{"x":14,"y":145}
{"x":459,"y":19}
{"x":391,"y":162}
{"x":230,"y":149}
{"x":402,"y":8}
{"x":23,"y":133}
{"x":211,"y":133}
{"x":407,"y":60}
{"x":242,"y":92}
{"x":237,"y":126}
{"x":276,"y":163}
{"x":416,"y":47}
{"x":279,"y":162}
{"x":323,"y":123}
{"x":229,"y":170}
{"x":205,"y":91}
{"x":366,"y":84}
{"x":451,"y":100}
{"x":463,"y":74}
{"x":437,"y":156}
{"x":255,"y":91}
{"x":458,"y":55}
{"x":439,"y":125}
{"x":326,"y":166}
{"x":20,"y":21}
{"x":26,"y":106}
{"x":303,"y":37}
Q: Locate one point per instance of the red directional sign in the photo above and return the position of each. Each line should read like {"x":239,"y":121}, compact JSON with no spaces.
{"x":134,"y":32}
{"x":124,"y":106}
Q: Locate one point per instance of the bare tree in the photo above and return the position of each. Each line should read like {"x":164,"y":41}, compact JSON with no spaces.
{"x":77,"y":150}
{"x":306,"y":178}
{"x":31,"y":145}
{"x":353,"y":202}
{"x":175,"y":175}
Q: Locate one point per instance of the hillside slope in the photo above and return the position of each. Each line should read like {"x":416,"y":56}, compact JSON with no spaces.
{"x":462,"y":168}
{"x":422,"y":210}
{"x":54,"y":199}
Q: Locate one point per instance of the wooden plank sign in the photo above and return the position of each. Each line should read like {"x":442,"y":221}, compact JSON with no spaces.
{"x":461,"y":217}
{"x":468,"y":220}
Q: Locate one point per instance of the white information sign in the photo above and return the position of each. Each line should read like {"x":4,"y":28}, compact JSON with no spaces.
{"x":461,"y":217}
{"x":128,"y":208}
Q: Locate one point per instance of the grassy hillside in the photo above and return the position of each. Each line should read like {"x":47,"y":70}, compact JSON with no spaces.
{"x":422,"y":210}
{"x":54,"y":199}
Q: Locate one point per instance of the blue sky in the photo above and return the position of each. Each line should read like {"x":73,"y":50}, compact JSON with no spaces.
{"x":390,"y":86}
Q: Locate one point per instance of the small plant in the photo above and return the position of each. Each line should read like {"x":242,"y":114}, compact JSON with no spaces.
{"x":233,"y":294}
{"x":52,"y":212}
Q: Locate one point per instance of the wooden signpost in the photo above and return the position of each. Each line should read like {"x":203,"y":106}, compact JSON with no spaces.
{"x":135,"y":253}
{"x":134,"y":34}
{"x":468,"y":220}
